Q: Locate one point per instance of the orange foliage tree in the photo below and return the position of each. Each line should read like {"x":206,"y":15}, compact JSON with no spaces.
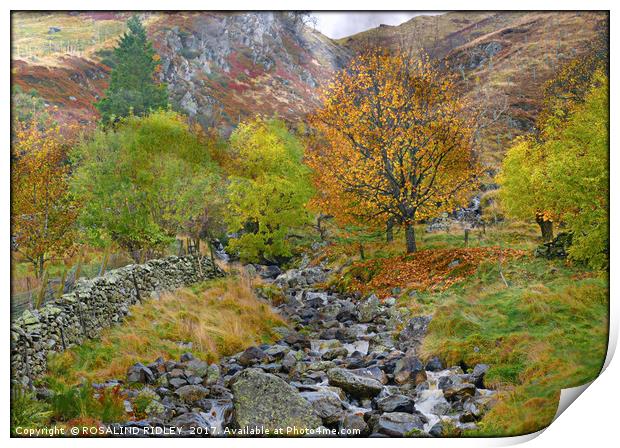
{"x":43,"y":210}
{"x":397,"y":143}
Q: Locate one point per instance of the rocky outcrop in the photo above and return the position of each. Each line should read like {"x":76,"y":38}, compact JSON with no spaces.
{"x":96,"y":304}
{"x":221,"y":68}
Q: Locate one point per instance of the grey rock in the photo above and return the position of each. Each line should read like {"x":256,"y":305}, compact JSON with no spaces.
{"x":478,"y":374}
{"x":434,"y":365}
{"x":396,"y":403}
{"x":192,"y":392}
{"x":265,"y":400}
{"x":177,"y":382}
{"x":409,"y":369}
{"x":139,"y":373}
{"x":355,"y":424}
{"x":196,"y":367}
{"x":414,"y":332}
{"x":399,"y":424}
{"x":337,"y":352}
{"x":252,"y":355}
{"x":212,"y":374}
{"x":368,"y":309}
{"x":459,"y":391}
{"x":356,"y":385}
{"x":326,"y":405}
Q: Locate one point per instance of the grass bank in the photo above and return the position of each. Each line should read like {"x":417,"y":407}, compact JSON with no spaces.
{"x":218,"y":317}
{"x":542,"y":327}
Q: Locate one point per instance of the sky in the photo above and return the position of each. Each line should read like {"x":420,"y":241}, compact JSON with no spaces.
{"x":342,"y":24}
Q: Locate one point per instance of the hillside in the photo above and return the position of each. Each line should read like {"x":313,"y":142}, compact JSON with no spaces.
{"x":504,"y":60}
{"x":222,"y":68}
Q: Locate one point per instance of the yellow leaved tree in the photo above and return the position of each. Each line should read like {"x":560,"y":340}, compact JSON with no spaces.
{"x":397,"y":144}
{"x":43,"y":211}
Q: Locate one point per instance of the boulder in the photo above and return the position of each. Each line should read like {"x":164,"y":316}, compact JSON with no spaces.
{"x":434,"y":365}
{"x":396,"y":403}
{"x":354,"y":425}
{"x":192,"y":392}
{"x":268,"y":272}
{"x":177,"y":382}
{"x":196,"y":367}
{"x":252,"y":355}
{"x":372,"y":372}
{"x":326,"y":405}
{"x":409,"y":369}
{"x":478,"y":374}
{"x":186,"y":357}
{"x":399,"y":424}
{"x":264,"y":400}
{"x":459,"y":391}
{"x":212,"y":374}
{"x":356,"y":385}
{"x":337,"y":352}
{"x":368,"y":309}
{"x":139,"y":373}
{"x":414,"y":332}
{"x":436,"y":430}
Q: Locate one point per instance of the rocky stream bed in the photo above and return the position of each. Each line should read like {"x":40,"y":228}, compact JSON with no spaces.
{"x":340,"y":369}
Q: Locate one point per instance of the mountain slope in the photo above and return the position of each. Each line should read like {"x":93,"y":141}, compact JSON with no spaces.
{"x":503,"y":59}
{"x":223,"y":67}
{"x":220,"y":68}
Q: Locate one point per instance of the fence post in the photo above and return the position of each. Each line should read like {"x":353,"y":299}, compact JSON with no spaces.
{"x":41,"y":295}
{"x":61,"y":288}
{"x":104,"y":262}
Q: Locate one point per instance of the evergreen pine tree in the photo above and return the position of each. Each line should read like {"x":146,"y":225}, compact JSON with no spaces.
{"x":132,"y":86}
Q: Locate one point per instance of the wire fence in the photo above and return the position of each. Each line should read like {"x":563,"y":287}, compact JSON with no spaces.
{"x":48,"y":288}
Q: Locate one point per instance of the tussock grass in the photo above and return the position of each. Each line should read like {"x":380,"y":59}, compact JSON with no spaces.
{"x":219,"y":318}
{"x":547,"y":331}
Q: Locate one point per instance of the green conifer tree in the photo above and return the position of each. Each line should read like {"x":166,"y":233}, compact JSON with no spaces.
{"x":133,"y":88}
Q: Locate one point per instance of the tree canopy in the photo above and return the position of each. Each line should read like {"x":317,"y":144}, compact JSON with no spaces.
{"x":268,"y":191}
{"x":398,"y":143}
{"x":144,"y":181}
{"x":565,"y":173}
{"x":43,"y":211}
{"x":133,"y":88}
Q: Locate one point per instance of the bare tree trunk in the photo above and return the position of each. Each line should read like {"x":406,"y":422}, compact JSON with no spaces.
{"x":410,"y":238}
{"x":546,"y":227}
{"x":39,"y":265}
{"x":389,"y":230}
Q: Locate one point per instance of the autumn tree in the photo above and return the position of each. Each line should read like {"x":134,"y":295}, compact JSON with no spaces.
{"x":566,"y":174}
{"x":43,"y":211}
{"x":268,"y":190}
{"x":525,"y":167}
{"x":133,"y":88}
{"x":398,"y":143}
{"x":144,"y":182}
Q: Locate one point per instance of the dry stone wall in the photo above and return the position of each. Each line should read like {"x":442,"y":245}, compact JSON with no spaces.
{"x":93,"y":305}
